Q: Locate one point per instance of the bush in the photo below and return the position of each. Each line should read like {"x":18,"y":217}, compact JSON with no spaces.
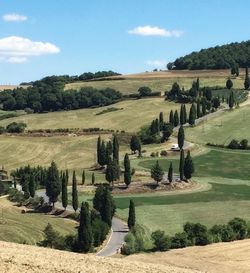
{"x":164,"y":153}
{"x":129,"y":246}
{"x":197,"y":234}
{"x":180,"y":240}
{"x":15,"y":127}
{"x":239,"y":227}
{"x":2,"y":130}
{"x":144,"y":91}
{"x":16,"y":196}
{"x":100,"y":231}
{"x":222,"y":233}
{"x":161,"y":241}
{"x":153,"y":154}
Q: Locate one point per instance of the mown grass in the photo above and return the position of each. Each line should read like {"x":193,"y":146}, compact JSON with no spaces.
{"x":215,"y":162}
{"x":222,"y":129}
{"x":28,"y":228}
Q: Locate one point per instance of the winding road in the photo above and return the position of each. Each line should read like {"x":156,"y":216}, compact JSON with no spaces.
{"x":119,"y":230}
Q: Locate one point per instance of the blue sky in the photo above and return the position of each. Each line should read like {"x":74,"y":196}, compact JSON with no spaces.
{"x":47,"y":37}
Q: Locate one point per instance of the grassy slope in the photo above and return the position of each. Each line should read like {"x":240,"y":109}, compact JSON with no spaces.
{"x":222,"y":129}
{"x":28,"y":227}
{"x":135,"y":113}
{"x":162,"y":81}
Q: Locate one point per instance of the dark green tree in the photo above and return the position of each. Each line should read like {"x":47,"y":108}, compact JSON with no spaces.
{"x":131,"y":215}
{"x":216,"y":103}
{"x":157,"y":172}
{"x":127,"y":170}
{"x":167,"y":131}
{"x":188,"y":166}
{"x":170,"y":173}
{"x":112,"y":172}
{"x":85,"y":237}
{"x":185,"y":113}
{"x":32,"y":185}
{"x":199,"y":113}
{"x":203,"y":107}
{"x":176,"y":118}
{"x":182,"y":115}
{"x":144,"y":91}
{"x":115,"y":149}
{"x":74,"y":192}
{"x":181,"y":137}
{"x":161,"y":120}
{"x":83,"y":177}
{"x":181,"y":165}
{"x":231,"y":100}
{"x":135,"y":144}
{"x":98,"y":150}
{"x":171,"y":118}
{"x":102,"y":154}
{"x":64,"y":191}
{"x":93,"y":179}
{"x":109,"y":149}
{"x":53,"y":185}
{"x":192,"y":115}
{"x":247,"y":80}
{"x":229,"y":84}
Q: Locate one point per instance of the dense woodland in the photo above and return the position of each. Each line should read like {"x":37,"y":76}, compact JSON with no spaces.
{"x":219,"y":57}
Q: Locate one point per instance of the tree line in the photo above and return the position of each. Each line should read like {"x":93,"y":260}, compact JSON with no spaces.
{"x":218,"y":57}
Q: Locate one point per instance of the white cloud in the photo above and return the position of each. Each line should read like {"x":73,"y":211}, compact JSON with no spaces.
{"x":157,"y":63}
{"x":13,"y":17}
{"x":15,"y":49}
{"x":155,"y":31}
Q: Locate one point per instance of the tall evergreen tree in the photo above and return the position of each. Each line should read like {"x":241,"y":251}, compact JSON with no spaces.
{"x":181,"y":137}
{"x":181,"y":165}
{"x":127,"y":170}
{"x":53,"y":185}
{"x":32,"y":185}
{"x":106,"y":210}
{"x":109,"y":149}
{"x":161,"y":120}
{"x":102,"y":154}
{"x":203,"y":107}
{"x":182,"y":115}
{"x":247,"y":80}
{"x":198,"y":84}
{"x":67,"y":176}
{"x":157,"y":172}
{"x":170,"y":173}
{"x":185,"y":113}
{"x":176,"y":118}
{"x":229,"y":84}
{"x":199,"y":109}
{"x":192,"y":115}
{"x":85,"y":236}
{"x":112,"y":172}
{"x":188,"y":166}
{"x":98,"y":150}
{"x":131,"y":215}
{"x":64,"y":191}
{"x":74,"y":192}
{"x":231,"y":100}
{"x":171,"y":118}
{"x":135,"y":144}
{"x":83,"y":177}
{"x":93,"y":179}
{"x":115,"y":149}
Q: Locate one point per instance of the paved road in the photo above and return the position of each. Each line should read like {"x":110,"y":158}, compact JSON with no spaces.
{"x":118,"y":230}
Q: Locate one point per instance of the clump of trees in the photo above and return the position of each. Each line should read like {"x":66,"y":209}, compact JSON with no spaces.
{"x":13,"y":127}
{"x":242,"y":145}
{"x":220,"y":57}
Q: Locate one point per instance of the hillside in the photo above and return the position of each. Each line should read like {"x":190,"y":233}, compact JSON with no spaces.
{"x":218,"y":57}
{"x":23,"y":258}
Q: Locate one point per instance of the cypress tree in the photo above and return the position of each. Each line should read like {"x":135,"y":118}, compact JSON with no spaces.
{"x":157,"y":172}
{"x":64,"y":191}
{"x":115,"y":149}
{"x":247,"y":81}
{"x":127,"y":170}
{"x":135,"y":144}
{"x":171,"y":118}
{"x":83,"y":177}
{"x":53,"y":185}
{"x":32,"y":186}
{"x":203,"y":107}
{"x":229,"y":84}
{"x":109,"y":149}
{"x":67,"y":176}
{"x":106,"y":210}
{"x":192,"y":115}
{"x":188,"y":166}
{"x":170,"y":173}
{"x":181,"y":137}
{"x":181,"y":165}
{"x":102,"y":154}
{"x":98,"y":150}
{"x":198,"y":84}
{"x":231,"y":100}
{"x":182,"y":117}
{"x":185,"y":113}
{"x":161,"y":120}
{"x":199,"y":109}
{"x":176,"y":118}
{"x":93,"y":179}
{"x":131,"y":215}
{"x":74,"y":192}
{"x":85,"y":237}
{"x":109,"y":175}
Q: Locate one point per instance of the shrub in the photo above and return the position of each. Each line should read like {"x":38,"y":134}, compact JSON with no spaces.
{"x":2,"y":130}
{"x":152,"y":154}
{"x":180,"y":240}
{"x":197,"y":234}
{"x":164,"y":153}
{"x":161,"y":241}
{"x":239,"y":227}
{"x":129,"y":246}
{"x":16,"y":196}
{"x":222,"y":233}
{"x":15,"y":127}
{"x":100,"y":231}
{"x":144,"y":91}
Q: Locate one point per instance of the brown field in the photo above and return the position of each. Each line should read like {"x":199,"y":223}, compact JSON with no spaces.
{"x":217,"y":258}
{"x":8,"y":87}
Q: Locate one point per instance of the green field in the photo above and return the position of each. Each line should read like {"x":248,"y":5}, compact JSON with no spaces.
{"x":214,"y":163}
{"x":133,"y":115}
{"x":28,"y":228}
{"x":222,"y":129}
{"x":162,"y":81}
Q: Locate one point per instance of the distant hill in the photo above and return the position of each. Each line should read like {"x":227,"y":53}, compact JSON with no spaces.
{"x":219,"y":57}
